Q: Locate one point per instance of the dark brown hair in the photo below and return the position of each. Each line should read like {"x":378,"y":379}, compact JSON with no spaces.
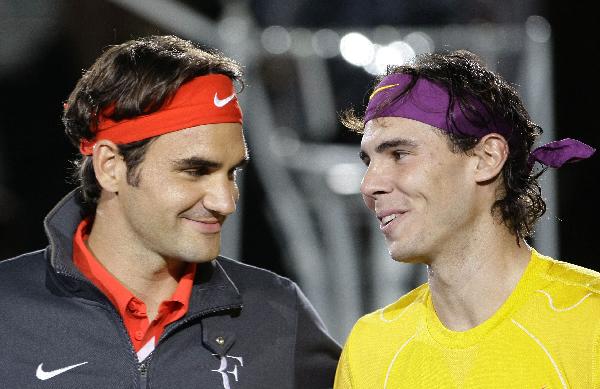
{"x":136,"y":78}
{"x":463,"y":74}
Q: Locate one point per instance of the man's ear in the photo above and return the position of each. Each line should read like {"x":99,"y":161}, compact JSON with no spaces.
{"x":491,"y":153}
{"x":108,"y":165}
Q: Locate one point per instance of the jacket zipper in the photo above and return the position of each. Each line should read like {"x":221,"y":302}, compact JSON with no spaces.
{"x":143,"y":370}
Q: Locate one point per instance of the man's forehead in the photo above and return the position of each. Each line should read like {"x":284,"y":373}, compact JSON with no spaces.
{"x":385,"y":127}
{"x":401,"y":131}
{"x":221,"y":141}
{"x":373,"y":130}
{"x":232,"y":153}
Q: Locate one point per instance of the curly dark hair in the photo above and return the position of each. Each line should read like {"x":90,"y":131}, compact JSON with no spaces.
{"x":464,"y":75}
{"x":136,"y":78}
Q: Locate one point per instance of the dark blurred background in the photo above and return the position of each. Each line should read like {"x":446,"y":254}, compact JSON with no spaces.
{"x":46,"y":44}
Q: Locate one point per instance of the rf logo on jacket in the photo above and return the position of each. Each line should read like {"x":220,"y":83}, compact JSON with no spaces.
{"x":226,"y":362}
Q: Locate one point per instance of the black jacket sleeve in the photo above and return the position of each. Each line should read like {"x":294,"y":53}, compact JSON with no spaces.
{"x":316,"y":352}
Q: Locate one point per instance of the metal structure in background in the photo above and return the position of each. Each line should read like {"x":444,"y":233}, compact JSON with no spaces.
{"x":330,"y":242}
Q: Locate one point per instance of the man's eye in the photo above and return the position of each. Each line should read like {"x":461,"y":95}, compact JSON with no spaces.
{"x":195,"y":172}
{"x":399,"y":154}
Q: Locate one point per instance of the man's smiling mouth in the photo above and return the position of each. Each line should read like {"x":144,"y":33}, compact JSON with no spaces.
{"x":387,"y":219}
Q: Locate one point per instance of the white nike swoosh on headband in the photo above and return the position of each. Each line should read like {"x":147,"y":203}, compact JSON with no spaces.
{"x":46,"y":375}
{"x":222,"y":102}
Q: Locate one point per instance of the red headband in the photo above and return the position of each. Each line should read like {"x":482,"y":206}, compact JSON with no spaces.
{"x":203,"y":100}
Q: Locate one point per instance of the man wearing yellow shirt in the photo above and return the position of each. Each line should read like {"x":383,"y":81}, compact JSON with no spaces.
{"x":452,"y":179}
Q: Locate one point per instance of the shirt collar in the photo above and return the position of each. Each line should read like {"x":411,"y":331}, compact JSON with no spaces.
{"x":116,"y":292}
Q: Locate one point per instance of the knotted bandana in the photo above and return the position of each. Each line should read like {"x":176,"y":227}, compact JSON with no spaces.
{"x":429,"y":102}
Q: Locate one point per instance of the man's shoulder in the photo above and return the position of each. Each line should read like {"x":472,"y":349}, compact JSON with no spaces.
{"x":403,"y":314}
{"x":567,"y":288}
{"x":377,"y":336}
{"x":23,"y":264}
{"x":248,"y":277}
{"x":22,"y":273}
{"x":567,"y":276}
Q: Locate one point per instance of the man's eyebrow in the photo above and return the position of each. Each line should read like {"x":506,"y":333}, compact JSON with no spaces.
{"x":195,"y":163}
{"x":201,"y":163}
{"x":388,"y":144}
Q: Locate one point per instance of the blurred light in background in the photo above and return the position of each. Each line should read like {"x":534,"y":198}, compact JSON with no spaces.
{"x":354,"y":47}
{"x":396,"y":53}
{"x":284,"y":142}
{"x":234,"y":29}
{"x":420,"y":42}
{"x":357,"y":49}
{"x":538,"y":29}
{"x":326,"y":43}
{"x":386,"y":34}
{"x":276,"y":39}
{"x":302,"y":42}
{"x":345,"y":178}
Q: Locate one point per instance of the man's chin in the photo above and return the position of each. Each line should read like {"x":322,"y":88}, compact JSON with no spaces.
{"x":199,"y":259}
{"x":405,"y":256}
{"x":199,"y":255}
{"x":203,"y":258}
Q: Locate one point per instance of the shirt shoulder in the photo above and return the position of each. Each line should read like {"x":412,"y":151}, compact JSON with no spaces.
{"x":23,"y":270}
{"x":566,"y":286}
{"x":570,"y":275}
{"x":248,"y":277}
{"x":560,"y":316}
{"x":377,"y":337}
{"x":258,"y":286}
{"x":402,"y":318}
{"x":23,"y":284}
{"x":404,"y":308}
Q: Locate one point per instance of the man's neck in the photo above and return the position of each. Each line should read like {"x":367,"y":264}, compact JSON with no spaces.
{"x":147,"y":275}
{"x":469,"y":285}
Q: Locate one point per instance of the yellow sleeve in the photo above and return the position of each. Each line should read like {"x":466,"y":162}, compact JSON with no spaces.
{"x":343,"y":374}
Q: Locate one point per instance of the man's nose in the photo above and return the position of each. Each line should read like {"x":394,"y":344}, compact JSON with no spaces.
{"x":221,"y":196}
{"x":375,"y":182}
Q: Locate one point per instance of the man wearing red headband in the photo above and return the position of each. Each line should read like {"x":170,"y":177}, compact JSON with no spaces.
{"x":451,"y":179}
{"x":131,"y":292}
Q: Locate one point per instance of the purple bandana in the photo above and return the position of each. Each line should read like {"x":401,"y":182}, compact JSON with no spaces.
{"x":429,"y":103}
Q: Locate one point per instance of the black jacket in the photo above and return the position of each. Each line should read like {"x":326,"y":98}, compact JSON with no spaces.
{"x":245,"y":328}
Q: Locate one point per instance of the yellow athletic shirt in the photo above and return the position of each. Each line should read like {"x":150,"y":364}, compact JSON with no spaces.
{"x":545,"y":335}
